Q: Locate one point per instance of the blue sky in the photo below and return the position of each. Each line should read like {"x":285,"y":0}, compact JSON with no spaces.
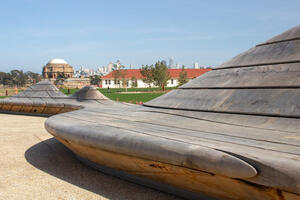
{"x":93,"y":33}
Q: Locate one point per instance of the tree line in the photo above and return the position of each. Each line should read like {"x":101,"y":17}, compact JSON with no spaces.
{"x":19,"y":78}
{"x":159,"y":75}
{"x":156,"y":75}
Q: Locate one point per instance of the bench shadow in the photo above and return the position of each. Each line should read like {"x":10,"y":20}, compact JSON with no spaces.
{"x":55,"y":159}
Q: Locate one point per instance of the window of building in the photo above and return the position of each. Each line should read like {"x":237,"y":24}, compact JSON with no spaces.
{"x":105,"y":82}
{"x":109,"y":82}
{"x":172,"y":81}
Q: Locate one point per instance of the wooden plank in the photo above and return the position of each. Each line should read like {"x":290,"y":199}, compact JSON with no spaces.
{"x":277,"y":53}
{"x":16,"y":108}
{"x":194,"y":128}
{"x":272,"y":102}
{"x":147,"y":146}
{"x":191,"y":180}
{"x":269,"y":163}
{"x":52,"y":110}
{"x":7,"y":106}
{"x":276,"y":76}
{"x":288,"y":126}
{"x":293,"y":33}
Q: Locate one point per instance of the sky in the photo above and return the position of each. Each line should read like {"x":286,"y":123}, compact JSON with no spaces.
{"x":92,"y":33}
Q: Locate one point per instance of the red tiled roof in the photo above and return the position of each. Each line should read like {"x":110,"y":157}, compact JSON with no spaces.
{"x":191,"y":73}
{"x":129,"y":74}
{"x":174,"y":73}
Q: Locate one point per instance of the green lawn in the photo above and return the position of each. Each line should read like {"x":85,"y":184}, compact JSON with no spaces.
{"x":114,"y":90}
{"x":114,"y":94}
{"x":65,"y":91}
{"x":132,"y":98}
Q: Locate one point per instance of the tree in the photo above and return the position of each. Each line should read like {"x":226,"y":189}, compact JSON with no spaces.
{"x":183,"y":77}
{"x":95,"y":80}
{"x":119,"y":73}
{"x":161,"y":74}
{"x":19,"y":78}
{"x":33,"y":77}
{"x":134,"y":82}
{"x":2,"y":77}
{"x":6,"y":78}
{"x":147,"y":74}
{"x":123,"y":79}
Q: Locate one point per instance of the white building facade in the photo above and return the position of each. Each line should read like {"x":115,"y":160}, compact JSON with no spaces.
{"x":134,"y":78}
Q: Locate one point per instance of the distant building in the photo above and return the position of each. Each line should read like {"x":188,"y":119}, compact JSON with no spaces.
{"x":57,"y":66}
{"x":196,"y":65}
{"x":131,"y":74}
{"x":76,"y":82}
{"x":171,"y":63}
{"x":78,"y":79}
{"x":100,"y":71}
{"x":84,"y":72}
{"x":109,"y":67}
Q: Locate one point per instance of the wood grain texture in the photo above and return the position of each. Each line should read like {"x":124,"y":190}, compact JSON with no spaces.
{"x":191,"y":180}
{"x":275,"y":53}
{"x":291,"y":34}
{"x":268,"y":76}
{"x":272,"y":102}
{"x":192,"y":156}
{"x":129,"y":131}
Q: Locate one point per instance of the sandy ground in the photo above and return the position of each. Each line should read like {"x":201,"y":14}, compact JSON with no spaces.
{"x":33,"y":165}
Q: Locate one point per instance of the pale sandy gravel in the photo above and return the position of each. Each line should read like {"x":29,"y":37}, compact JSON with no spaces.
{"x":33,"y":165}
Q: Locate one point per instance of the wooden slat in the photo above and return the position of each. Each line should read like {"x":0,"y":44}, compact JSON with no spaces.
{"x":284,"y":52}
{"x":273,"y":102}
{"x":293,"y":33}
{"x":197,"y":131}
{"x":219,"y":127}
{"x":190,"y":180}
{"x":269,"y":76}
{"x":95,"y":134}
